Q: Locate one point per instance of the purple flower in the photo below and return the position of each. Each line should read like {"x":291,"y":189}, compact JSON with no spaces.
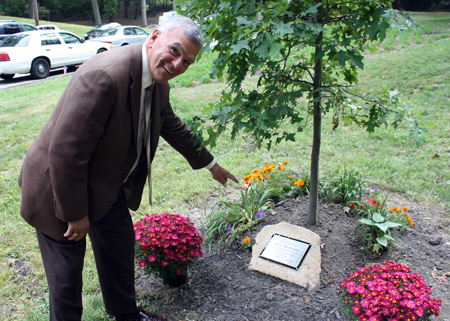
{"x":261,"y":213}
{"x":375,"y":189}
{"x":228,"y":228}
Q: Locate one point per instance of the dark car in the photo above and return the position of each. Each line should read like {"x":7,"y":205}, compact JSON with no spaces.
{"x":9,"y":27}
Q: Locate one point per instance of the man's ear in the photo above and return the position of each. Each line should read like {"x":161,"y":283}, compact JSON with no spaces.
{"x":155,"y":35}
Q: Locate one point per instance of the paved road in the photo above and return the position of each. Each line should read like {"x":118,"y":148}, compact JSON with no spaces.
{"x":22,"y":80}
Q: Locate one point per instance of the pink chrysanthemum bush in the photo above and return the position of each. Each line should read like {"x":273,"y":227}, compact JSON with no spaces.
{"x":166,"y":244}
{"x":387,"y":292}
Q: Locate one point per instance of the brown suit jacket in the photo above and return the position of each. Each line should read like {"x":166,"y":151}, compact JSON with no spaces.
{"x":79,"y":161}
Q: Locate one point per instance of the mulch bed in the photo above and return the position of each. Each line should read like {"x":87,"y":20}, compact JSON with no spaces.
{"x":221,"y":287}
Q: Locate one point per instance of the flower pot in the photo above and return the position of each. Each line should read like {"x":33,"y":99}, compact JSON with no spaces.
{"x":175,"y":282}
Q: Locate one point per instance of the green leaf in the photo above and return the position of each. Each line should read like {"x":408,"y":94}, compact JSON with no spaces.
{"x":377,"y":217}
{"x":242,"y":44}
{"x":383,"y":240}
{"x":367,"y":221}
{"x":386,"y":225}
{"x":376,"y":247}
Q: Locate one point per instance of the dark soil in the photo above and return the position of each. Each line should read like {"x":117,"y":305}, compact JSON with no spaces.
{"x":221,"y":287}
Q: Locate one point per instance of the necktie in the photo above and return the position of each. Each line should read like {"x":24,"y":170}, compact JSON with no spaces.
{"x":146,"y":147}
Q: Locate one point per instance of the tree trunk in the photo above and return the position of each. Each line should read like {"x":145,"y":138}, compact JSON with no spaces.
{"x":144,"y":13}
{"x":313,"y":214}
{"x":125,"y":9}
{"x":33,"y":11}
{"x":96,"y":11}
{"x":174,"y":7}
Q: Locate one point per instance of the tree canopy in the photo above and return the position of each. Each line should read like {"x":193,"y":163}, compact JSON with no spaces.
{"x":310,"y":50}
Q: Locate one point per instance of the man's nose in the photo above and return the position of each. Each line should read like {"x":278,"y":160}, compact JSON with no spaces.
{"x":178,"y":65}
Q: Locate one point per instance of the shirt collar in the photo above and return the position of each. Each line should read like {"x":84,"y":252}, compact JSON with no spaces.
{"x":146,"y":74}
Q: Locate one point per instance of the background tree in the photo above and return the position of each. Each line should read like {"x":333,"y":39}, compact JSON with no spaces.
{"x":144,"y":13}
{"x":299,"y":49}
{"x":96,"y":12}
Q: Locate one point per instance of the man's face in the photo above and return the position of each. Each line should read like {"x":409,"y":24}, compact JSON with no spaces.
{"x":170,"y":55}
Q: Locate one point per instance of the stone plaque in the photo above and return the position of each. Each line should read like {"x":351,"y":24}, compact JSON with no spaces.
{"x":285,"y":250}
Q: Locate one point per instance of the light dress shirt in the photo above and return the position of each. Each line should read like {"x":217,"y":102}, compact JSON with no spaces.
{"x":147,"y":81}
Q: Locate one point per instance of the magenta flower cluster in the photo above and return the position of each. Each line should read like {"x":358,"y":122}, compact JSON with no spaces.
{"x":387,"y":292}
{"x":166,"y":244}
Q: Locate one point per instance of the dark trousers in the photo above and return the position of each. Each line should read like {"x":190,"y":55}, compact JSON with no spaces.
{"x":112,"y":241}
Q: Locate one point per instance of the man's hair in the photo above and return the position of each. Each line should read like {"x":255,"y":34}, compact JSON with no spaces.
{"x":191,"y":29}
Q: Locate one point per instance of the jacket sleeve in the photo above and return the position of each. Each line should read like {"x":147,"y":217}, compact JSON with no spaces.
{"x":175,"y":131}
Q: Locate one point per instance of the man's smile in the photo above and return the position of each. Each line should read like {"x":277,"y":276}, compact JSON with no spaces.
{"x":167,"y":69}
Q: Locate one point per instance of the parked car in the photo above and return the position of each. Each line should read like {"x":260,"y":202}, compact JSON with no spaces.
{"x":9,"y":27}
{"x":37,"y":52}
{"x":94,"y":32}
{"x":122,"y":36}
{"x":47,"y":27}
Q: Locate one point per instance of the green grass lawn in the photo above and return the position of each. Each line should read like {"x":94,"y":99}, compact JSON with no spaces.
{"x":419,"y":69}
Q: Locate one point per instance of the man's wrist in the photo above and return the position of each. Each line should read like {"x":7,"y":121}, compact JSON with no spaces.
{"x":211,"y":165}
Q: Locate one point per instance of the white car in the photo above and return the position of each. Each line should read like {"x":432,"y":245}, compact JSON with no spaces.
{"x":94,"y":32}
{"x":37,"y":52}
{"x":47,"y":27}
{"x":122,"y":36}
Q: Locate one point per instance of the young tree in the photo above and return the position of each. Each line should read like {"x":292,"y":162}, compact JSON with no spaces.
{"x":311,"y":49}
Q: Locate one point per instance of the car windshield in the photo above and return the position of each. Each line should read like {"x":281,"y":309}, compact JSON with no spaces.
{"x":108,"y":32}
{"x":16,"y":41}
{"x":97,"y":26}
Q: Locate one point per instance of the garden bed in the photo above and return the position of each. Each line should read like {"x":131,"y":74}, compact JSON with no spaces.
{"x":221,"y":287}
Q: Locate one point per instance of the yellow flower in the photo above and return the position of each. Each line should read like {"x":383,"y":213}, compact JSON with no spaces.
{"x":268,"y":176}
{"x":255,"y":171}
{"x":247,"y":240}
{"x":282,"y":168}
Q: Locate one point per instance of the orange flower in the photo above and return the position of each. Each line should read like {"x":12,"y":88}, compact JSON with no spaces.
{"x":247,"y":240}
{"x":285,"y":163}
{"x":300,"y":182}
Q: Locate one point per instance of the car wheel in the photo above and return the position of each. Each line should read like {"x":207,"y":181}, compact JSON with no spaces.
{"x":101,"y":50}
{"x":7,"y":76}
{"x":40,"y":68}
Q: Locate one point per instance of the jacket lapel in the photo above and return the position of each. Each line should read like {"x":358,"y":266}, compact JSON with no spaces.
{"x":135,"y":87}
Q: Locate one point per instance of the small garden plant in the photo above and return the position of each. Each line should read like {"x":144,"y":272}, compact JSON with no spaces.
{"x":387,"y":292}
{"x":229,"y":219}
{"x":342,"y":186}
{"x":378,"y":224}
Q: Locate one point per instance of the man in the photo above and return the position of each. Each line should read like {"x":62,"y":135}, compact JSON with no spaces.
{"x":90,"y":163}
